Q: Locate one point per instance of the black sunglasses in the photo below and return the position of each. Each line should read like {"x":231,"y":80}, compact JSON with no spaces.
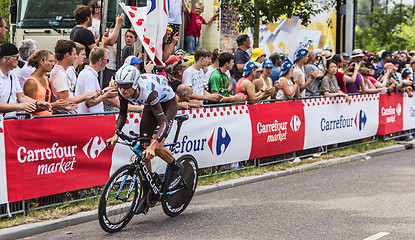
{"x":125,"y":85}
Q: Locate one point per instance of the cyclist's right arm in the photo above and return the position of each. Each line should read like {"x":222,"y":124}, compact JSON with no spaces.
{"x":122,"y":118}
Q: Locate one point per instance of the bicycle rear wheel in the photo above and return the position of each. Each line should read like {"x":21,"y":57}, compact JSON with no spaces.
{"x":177,"y":202}
{"x":118,"y":199}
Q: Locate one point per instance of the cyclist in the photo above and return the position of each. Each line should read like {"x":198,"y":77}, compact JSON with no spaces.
{"x":160,"y":108}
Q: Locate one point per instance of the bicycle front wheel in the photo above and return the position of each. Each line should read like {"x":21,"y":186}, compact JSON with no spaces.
{"x":177,"y":202}
{"x":118,"y":199}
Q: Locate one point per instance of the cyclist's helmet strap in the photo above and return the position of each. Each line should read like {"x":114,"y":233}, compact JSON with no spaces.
{"x":128,"y":74}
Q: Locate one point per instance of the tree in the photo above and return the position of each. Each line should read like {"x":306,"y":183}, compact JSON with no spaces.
{"x":251,"y":13}
{"x":5,"y":13}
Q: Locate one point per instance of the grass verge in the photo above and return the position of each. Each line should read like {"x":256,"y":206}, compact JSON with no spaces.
{"x":92,"y":203}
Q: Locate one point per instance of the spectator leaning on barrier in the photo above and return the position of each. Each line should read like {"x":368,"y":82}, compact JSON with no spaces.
{"x":183,"y":94}
{"x":245,"y":86}
{"x":80,"y":33}
{"x":276,"y":70}
{"x":329,"y":86}
{"x":355,"y":86}
{"x":309,"y":68}
{"x":37,"y":84}
{"x":300,"y":59}
{"x":194,"y":77}
{"x":88,"y":82}
{"x":27,"y":48}
{"x":12,"y":97}
{"x":63,"y":87}
{"x":289,"y":88}
{"x":367,"y":85}
{"x":264,"y":81}
{"x":219,"y":80}
{"x":240,"y":55}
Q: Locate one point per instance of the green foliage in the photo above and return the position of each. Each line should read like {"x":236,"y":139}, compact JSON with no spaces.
{"x":385,"y":30}
{"x":253,"y":12}
{"x":5,"y":13}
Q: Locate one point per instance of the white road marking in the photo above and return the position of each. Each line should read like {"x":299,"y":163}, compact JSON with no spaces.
{"x":377,"y":236}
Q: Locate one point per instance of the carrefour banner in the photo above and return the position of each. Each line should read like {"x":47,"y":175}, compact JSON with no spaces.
{"x":408,"y":113}
{"x":46,"y":156}
{"x":276,"y":128}
{"x":390,"y":113}
{"x":333,"y":120}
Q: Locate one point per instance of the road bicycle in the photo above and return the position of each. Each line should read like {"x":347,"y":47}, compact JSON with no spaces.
{"x":124,"y":188}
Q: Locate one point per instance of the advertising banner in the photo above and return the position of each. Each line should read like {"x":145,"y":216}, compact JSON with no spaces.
{"x":276,"y":128}
{"x":46,"y":156}
{"x":408,"y":113}
{"x":390,"y":113}
{"x":3,"y":179}
{"x":333,"y":120}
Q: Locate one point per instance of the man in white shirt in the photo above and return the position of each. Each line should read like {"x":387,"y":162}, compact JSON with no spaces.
{"x":12,"y":97}
{"x":194,"y":76}
{"x":88,"y":82}
{"x":27,"y":48}
{"x":300,"y":59}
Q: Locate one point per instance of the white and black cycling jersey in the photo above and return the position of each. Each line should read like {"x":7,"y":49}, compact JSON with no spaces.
{"x":149,"y":83}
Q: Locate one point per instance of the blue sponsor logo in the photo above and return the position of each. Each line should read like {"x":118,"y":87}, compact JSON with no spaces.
{"x":412,"y":112}
{"x":359,"y":121}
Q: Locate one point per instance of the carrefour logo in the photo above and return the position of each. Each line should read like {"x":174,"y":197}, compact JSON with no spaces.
{"x":359,"y":121}
{"x":94,"y":147}
{"x":295,"y":123}
{"x":218,"y":143}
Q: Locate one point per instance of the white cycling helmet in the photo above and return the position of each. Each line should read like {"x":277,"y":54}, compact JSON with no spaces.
{"x":127,"y":74}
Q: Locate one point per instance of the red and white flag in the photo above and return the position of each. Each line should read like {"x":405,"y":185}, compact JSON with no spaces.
{"x":150,"y":23}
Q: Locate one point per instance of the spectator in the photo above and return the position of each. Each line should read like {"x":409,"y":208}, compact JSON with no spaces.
{"x":194,"y":76}
{"x":183,"y":95}
{"x":220,"y":82}
{"x":177,"y":69}
{"x":245,"y":86}
{"x":407,"y":83}
{"x":75,"y":68}
{"x":310,"y":69}
{"x":375,"y":82}
{"x":12,"y":97}
{"x":180,"y":53}
{"x":168,"y":47}
{"x":385,"y":57}
{"x":346,"y":61}
{"x":37,"y":86}
{"x":353,"y":87}
{"x":357,"y":55}
{"x":240,"y":55}
{"x":175,"y":18}
{"x":264,"y":81}
{"x":195,"y":25}
{"x":328,"y":48}
{"x":258,"y":55}
{"x":300,"y":59}
{"x":95,"y":28}
{"x":342,"y":79}
{"x":367,"y":85}
{"x":130,"y":39}
{"x":80,"y":33}
{"x":412,"y":69}
{"x":63,"y":87}
{"x":289,"y":87}
{"x":276,"y":70}
{"x":27,"y":48}
{"x":329,"y":86}
{"x":215,"y":65}
{"x":88,"y":82}
{"x":3,"y":28}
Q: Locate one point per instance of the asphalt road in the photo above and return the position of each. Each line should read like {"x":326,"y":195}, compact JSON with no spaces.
{"x":369,"y":199}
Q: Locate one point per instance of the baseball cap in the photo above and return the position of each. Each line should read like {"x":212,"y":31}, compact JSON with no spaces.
{"x":131,"y":60}
{"x":248,"y":67}
{"x":256,"y":53}
{"x":406,"y":70}
{"x":386,"y":53}
{"x":8,"y":49}
{"x":357,"y":53}
{"x":300,"y":53}
{"x":285,"y":66}
{"x":390,"y":66}
{"x":242,"y":38}
{"x":345,"y":55}
{"x":267,"y":63}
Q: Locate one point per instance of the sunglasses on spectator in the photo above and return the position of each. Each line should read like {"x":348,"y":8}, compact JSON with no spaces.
{"x":125,"y":85}
{"x":17,"y":57}
{"x":106,"y":59}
